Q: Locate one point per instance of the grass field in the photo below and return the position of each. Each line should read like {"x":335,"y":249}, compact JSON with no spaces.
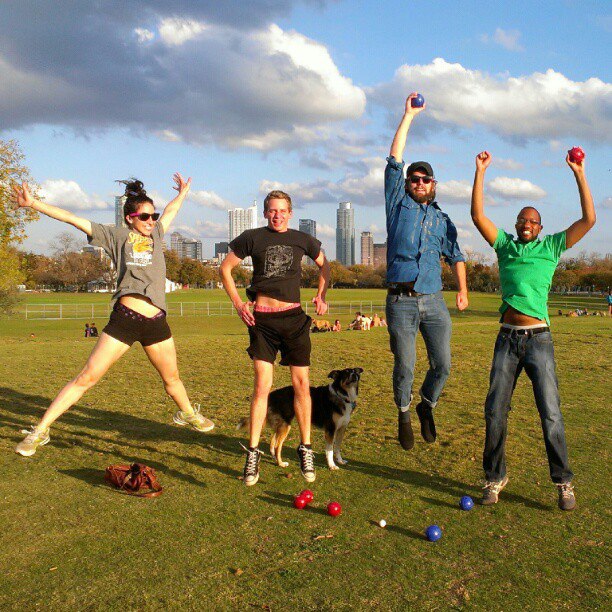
{"x":210,"y":543}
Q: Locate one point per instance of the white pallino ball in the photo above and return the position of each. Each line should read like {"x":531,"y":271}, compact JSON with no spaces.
{"x":382,"y":523}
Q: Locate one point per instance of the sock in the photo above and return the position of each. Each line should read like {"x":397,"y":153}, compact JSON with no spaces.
{"x":253,"y":448}
{"x":308,"y":446}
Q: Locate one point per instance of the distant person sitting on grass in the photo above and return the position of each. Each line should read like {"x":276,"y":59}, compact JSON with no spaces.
{"x":355,"y":324}
{"x":337,"y":326}
{"x":609,"y":300}
{"x":139,"y":313}
{"x":87,"y":330}
{"x":526,"y":268}
{"x":93,"y":331}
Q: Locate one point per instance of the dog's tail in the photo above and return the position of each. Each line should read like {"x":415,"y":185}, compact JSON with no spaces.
{"x":243,"y":423}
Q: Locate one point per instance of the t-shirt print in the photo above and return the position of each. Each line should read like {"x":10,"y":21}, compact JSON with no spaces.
{"x":141,"y":253}
{"x":278,"y":260}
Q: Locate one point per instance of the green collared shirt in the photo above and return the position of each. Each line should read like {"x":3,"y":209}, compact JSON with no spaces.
{"x":526,"y":271}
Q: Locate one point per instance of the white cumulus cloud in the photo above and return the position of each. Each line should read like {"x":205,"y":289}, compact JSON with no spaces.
{"x":508,"y":39}
{"x":176,"y":31}
{"x":541,"y":106}
{"x":209,"y":199}
{"x":70,"y":195}
{"x":515,"y":189}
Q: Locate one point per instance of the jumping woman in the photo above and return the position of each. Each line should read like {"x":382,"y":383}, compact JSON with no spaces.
{"x":139,"y":313}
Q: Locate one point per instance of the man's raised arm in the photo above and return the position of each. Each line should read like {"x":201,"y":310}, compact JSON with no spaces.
{"x":578,"y":229}
{"x":485,"y":226}
{"x":399,"y":141}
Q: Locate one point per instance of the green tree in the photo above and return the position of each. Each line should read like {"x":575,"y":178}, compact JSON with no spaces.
{"x":12,"y":222}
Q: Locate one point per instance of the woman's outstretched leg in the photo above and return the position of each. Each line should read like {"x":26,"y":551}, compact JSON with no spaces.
{"x":106,"y":352}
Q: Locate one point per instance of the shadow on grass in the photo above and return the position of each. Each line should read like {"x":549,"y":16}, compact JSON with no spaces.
{"x":409,"y":533}
{"x":454,"y":488}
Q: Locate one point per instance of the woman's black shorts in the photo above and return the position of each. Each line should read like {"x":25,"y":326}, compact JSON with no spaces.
{"x":129,"y":326}
{"x":287,"y":331}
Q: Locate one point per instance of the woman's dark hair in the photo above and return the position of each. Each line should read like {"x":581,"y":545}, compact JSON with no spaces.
{"x":135,"y":195}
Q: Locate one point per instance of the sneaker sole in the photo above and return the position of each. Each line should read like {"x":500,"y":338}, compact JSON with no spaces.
{"x":309,"y":476}
{"x":30,"y":453}
{"x":252,"y":482}
{"x":182,"y":423}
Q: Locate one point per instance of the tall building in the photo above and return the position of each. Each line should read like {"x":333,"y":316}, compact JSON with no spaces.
{"x":185,"y":247}
{"x":367,"y":249}
{"x":119,"y":218}
{"x":345,"y":234}
{"x":221,"y":250}
{"x":241,"y":219}
{"x":308,"y":226}
{"x":380,"y":254}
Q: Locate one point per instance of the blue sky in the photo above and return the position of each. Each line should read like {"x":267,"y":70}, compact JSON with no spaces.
{"x":306,"y":96}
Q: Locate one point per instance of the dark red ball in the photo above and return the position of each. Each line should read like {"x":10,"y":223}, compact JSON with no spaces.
{"x":300,"y":502}
{"x":576,"y":155}
{"x":308,"y":495}
{"x":334,"y":509}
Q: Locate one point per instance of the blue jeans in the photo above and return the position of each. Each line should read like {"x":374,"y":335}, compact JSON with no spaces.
{"x":535,"y":355}
{"x":405,"y":316}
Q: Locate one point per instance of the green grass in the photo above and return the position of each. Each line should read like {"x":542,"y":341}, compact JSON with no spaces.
{"x":210,"y":543}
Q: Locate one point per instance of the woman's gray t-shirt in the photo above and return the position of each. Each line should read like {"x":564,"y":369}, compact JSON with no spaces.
{"x":139,"y":260}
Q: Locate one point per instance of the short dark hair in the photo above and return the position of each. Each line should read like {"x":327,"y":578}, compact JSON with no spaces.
{"x":532,"y":208}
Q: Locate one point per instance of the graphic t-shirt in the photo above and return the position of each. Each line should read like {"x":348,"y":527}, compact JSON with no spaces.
{"x":277,"y":260}
{"x":526,"y":270}
{"x":139,"y":260}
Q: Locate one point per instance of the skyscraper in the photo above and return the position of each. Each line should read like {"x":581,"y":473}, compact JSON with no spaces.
{"x":367,"y":249}
{"x":185,"y":247}
{"x":380,"y":254}
{"x":221,"y":250}
{"x":345,"y":234}
{"x":241,"y":219}
{"x":119,"y":218}
{"x":308,"y":226}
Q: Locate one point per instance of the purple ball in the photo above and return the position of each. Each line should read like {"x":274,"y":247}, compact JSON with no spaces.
{"x":466,"y":503}
{"x":433,"y":533}
{"x":418,"y":101}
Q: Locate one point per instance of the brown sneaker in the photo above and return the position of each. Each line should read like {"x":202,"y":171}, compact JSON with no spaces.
{"x":492,"y":490}
{"x":567,"y":499}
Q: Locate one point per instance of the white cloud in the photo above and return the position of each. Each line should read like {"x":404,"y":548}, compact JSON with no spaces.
{"x":210,"y":199}
{"x":508,"y":39}
{"x":175,"y":31}
{"x":515,"y":189}
{"x":508,"y":163}
{"x":143,"y":35}
{"x":606,"y":203}
{"x":454,"y":190}
{"x":540,"y":106}
{"x":69,"y":194}
{"x":202,"y":229}
{"x":325,"y":231}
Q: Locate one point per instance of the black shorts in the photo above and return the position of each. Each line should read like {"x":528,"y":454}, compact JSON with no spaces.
{"x":287,"y":331}
{"x":129,"y":326}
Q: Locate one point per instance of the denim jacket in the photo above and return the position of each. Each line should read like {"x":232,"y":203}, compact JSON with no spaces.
{"x":418,"y":235}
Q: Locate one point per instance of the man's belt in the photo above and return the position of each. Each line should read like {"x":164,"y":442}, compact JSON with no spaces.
{"x":524,"y":332}
{"x":403,"y":289}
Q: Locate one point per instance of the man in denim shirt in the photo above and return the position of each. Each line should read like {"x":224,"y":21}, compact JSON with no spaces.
{"x":419,"y":234}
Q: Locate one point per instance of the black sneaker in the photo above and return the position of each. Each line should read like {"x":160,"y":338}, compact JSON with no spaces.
{"x":306,"y":457}
{"x":251,"y":467}
{"x":428,"y":427}
{"x":404,"y":430}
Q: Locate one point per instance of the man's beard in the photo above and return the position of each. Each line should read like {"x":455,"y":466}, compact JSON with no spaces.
{"x":423,"y":199}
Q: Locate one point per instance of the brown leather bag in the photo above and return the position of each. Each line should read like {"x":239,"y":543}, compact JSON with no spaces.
{"x":132,"y":478}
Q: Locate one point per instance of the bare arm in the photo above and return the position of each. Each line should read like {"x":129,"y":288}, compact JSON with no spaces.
{"x":461,"y":282}
{"x":579,"y":228}
{"x":324,"y":275}
{"x":23,"y":199}
{"x":174,"y":206}
{"x":485,"y":226}
{"x":225,"y":271}
{"x":399,"y":141}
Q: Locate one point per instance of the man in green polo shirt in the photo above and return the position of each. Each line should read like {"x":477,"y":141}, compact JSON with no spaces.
{"x":526,"y":268}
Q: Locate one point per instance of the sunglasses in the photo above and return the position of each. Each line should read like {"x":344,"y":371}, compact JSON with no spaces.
{"x":415,"y":180}
{"x":145,"y":216}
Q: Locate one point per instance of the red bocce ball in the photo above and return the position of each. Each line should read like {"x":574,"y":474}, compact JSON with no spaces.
{"x":334,"y":509}
{"x":308,"y":495}
{"x":576,"y":155}
{"x":300,"y":502}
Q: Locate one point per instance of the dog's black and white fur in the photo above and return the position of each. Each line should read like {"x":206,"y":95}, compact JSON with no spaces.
{"x":332,"y":407}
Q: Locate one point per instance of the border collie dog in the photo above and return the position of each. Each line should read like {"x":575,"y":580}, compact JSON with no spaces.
{"x":332,"y":407}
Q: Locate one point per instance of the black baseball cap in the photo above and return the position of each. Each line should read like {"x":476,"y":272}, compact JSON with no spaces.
{"x":420,"y":165}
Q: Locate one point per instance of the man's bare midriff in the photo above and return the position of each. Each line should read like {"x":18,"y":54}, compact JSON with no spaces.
{"x":514,"y":317}
{"x":140,"y":304}
{"x":264,"y":300}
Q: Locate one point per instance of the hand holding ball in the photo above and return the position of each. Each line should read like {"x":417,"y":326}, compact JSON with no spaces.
{"x":576,"y":155}
{"x":417,"y":101}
